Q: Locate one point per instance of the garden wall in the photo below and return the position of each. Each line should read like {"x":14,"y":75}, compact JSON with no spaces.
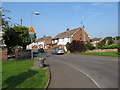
{"x":22,"y":54}
{"x":102,"y":50}
{"x":3,"y":54}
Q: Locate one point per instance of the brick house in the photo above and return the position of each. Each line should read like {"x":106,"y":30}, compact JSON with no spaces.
{"x":44,"y":42}
{"x":68,"y":36}
{"x":94,"y":41}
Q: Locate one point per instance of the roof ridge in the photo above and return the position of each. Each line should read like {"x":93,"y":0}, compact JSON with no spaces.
{"x":66,"y":33}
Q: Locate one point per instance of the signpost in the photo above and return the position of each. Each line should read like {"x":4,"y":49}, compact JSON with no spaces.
{"x":31,"y":30}
{"x":31,"y":33}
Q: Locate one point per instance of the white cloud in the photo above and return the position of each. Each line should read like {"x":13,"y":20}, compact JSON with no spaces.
{"x":102,"y":4}
{"x":97,"y":14}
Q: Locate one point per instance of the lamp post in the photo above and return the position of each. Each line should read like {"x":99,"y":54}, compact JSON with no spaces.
{"x":36,"y":13}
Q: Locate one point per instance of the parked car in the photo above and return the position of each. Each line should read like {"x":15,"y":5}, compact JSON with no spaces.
{"x":57,"y":51}
{"x":40,"y":50}
{"x":35,"y":54}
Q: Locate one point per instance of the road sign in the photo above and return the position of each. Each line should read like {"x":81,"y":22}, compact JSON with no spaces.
{"x":32,"y":36}
{"x":31,"y":30}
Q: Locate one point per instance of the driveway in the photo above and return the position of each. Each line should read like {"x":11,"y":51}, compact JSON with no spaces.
{"x":82,"y":71}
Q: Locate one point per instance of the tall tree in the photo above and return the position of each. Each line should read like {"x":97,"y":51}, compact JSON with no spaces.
{"x":109,"y":40}
{"x":4,"y":18}
{"x":17,"y":36}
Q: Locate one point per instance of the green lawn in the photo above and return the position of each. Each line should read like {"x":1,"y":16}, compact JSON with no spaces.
{"x":112,"y":54}
{"x":18,"y":74}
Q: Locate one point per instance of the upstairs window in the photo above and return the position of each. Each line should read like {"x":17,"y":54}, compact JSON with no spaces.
{"x":80,"y":38}
{"x":63,"y":40}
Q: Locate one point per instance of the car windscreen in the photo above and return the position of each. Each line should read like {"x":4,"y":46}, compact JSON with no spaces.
{"x":59,"y":49}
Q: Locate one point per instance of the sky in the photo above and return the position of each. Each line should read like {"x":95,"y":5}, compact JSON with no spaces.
{"x":99,"y":18}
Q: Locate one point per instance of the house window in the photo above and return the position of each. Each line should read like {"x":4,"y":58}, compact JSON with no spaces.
{"x":68,"y":39}
{"x":80,"y":38}
{"x":63,"y":40}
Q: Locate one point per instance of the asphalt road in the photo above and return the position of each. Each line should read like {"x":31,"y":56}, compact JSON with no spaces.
{"x":82,"y":71}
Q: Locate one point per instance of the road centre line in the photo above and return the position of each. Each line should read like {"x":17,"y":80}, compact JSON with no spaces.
{"x":82,"y":72}
{"x":97,"y":62}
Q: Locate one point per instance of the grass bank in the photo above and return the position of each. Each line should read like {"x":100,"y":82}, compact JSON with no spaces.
{"x":18,"y":74}
{"x":111,"y":54}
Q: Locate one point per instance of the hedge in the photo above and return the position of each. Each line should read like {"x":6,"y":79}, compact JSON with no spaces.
{"x":112,"y":46}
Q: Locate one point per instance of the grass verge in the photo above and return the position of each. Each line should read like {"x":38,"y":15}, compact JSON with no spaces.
{"x":18,"y":74}
{"x":111,"y":54}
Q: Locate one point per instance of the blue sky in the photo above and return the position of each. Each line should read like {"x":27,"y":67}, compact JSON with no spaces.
{"x":99,"y":18}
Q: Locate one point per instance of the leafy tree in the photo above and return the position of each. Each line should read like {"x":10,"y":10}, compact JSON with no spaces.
{"x":68,"y":46}
{"x":109,"y":40}
{"x":77,"y":46}
{"x":5,"y":19}
{"x":101,"y":44}
{"x":116,"y":38}
{"x":17,"y":36}
{"x":89,"y":46}
{"x":106,"y":41}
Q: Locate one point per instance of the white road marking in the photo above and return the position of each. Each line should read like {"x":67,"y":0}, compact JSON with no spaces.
{"x":97,"y":62}
{"x":83,"y":73}
{"x":92,"y":61}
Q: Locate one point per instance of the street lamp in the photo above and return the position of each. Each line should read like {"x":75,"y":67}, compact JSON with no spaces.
{"x":36,"y":13}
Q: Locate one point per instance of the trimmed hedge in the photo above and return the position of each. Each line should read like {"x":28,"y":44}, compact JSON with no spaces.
{"x":112,"y":46}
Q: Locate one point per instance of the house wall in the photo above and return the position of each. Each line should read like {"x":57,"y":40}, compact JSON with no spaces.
{"x":30,"y":45}
{"x":94,"y":43}
{"x":79,"y":36}
{"x":41,"y":44}
{"x":63,"y":41}
{"x":54,"y":41}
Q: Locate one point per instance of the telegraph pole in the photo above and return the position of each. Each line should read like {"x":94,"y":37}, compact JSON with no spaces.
{"x":21,"y":22}
{"x":83,"y":31}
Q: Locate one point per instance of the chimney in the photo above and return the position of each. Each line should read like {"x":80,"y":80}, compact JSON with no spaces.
{"x":44,"y":36}
{"x":67,"y":29}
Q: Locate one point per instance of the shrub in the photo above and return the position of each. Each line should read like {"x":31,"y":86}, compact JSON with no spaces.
{"x":55,"y":47}
{"x":89,"y":46}
{"x":68,"y":46}
{"x":112,"y":46}
{"x":77,"y":46}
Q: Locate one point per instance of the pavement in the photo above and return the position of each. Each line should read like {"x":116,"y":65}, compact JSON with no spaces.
{"x":82,"y":71}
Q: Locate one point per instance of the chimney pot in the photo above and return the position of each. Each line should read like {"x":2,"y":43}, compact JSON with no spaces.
{"x":67,"y":29}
